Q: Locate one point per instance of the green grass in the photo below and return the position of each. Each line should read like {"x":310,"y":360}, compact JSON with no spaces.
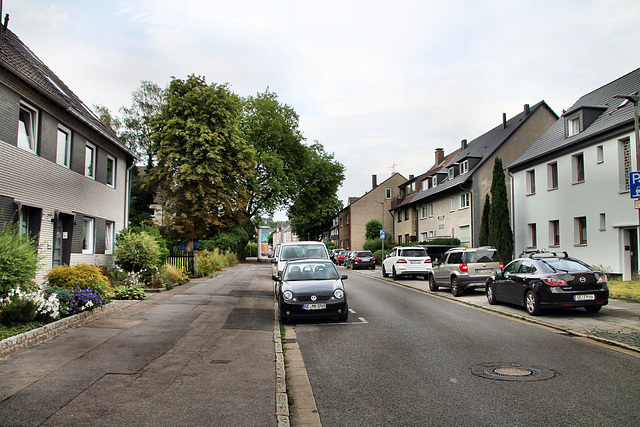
{"x":9,"y":331}
{"x":628,"y":289}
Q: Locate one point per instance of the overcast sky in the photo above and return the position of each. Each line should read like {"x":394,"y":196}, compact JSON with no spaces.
{"x":381,"y":84}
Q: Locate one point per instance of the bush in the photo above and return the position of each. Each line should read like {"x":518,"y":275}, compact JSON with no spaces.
{"x":443,"y":241}
{"x":374,"y":245}
{"x":378,"y":254}
{"x":24,"y":306}
{"x":234,"y":241}
{"x":83,"y":276}
{"x":172,"y":274}
{"x":129,"y":292}
{"x":136,"y":251}
{"x":251,"y":250}
{"x":18,"y":310}
{"x":157,"y":236}
{"x":18,"y":259}
{"x":212,"y":261}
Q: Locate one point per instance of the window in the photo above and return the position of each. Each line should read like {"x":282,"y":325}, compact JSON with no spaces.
{"x":554,"y":233}
{"x":552,"y":176}
{"x":423,"y":236}
{"x":464,"y":167}
{"x":109,"y":233}
{"x":603,"y":222}
{"x":387,"y":193}
{"x":434,"y":181}
{"x":406,"y":214}
{"x":452,"y":204}
{"x":28,"y":128}
{"x":111,"y":171}
{"x":431,"y":233}
{"x":340,"y":222}
{"x":425,"y":184}
{"x":347,"y":219}
{"x":63,"y":155}
{"x":577,"y":163}
{"x":399,"y":216}
{"x":90,"y":161}
{"x":624,"y":153}
{"x":580,"y":230}
{"x":88,"y":232}
{"x":465,"y":200}
{"x":423,"y":212}
{"x":531,"y":182}
{"x":451,"y":173}
{"x":430,"y":210}
{"x":532,"y":236}
{"x":465,"y":234}
{"x":573,"y":126}
{"x":600,"y":154}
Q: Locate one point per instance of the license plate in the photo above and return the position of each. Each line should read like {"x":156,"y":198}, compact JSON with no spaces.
{"x":587,"y":297}
{"x":416,"y":262}
{"x":320,"y":306}
{"x":483,"y":271}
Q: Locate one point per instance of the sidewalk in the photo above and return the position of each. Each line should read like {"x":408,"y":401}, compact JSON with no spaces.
{"x":200,"y":354}
{"x":618,"y":322}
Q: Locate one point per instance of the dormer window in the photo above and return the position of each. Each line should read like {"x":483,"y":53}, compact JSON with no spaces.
{"x":464,"y":167}
{"x":573,"y":126}
{"x":425,"y":184}
{"x":451,"y":173}
{"x":434,"y":181}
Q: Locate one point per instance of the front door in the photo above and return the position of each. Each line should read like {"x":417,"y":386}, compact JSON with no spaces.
{"x":62,"y":240}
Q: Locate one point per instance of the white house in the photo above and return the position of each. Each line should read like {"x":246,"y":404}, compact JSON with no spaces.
{"x":571,"y":188}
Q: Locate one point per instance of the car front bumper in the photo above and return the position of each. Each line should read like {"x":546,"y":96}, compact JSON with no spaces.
{"x":297,"y":309}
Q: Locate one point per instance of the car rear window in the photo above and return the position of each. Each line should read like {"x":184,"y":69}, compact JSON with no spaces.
{"x":563,"y":265}
{"x":414,"y":252}
{"x":481,"y":256}
{"x":364,"y":254}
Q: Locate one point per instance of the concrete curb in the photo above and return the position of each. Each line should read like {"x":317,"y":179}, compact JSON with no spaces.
{"x":33,"y":337}
{"x":282,"y":400}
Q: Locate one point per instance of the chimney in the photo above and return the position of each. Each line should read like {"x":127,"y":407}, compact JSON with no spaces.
{"x":463,"y":144}
{"x":374,"y":181}
{"x":439,"y":156}
{"x":504,"y":120}
{"x":6,"y":23}
{"x":527,"y":110}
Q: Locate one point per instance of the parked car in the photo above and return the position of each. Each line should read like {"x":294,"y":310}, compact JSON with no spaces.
{"x":361,"y":259}
{"x":333,"y":254}
{"x":464,"y":269}
{"x":341,"y":256}
{"x":311,"y":288}
{"x":549,"y":279}
{"x":411,"y":261}
{"x":298,"y":250}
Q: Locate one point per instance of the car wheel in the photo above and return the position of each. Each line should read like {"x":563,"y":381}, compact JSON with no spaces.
{"x":531,"y":303}
{"x":456,"y":290}
{"x":593,"y":308}
{"x":344,"y":316}
{"x":384,"y":272}
{"x":394,"y":276}
{"x":432,"y":283}
{"x":491,"y":296}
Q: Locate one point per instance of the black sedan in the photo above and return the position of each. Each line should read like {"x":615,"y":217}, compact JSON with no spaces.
{"x":549,"y":280}
{"x":361,"y":259}
{"x":311,"y":288}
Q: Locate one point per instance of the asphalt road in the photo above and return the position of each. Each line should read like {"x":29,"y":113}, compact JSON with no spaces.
{"x":409,"y":358}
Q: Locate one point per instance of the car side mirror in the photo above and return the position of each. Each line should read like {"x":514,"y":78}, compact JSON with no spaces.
{"x":344,"y":277}
{"x":276,"y":278}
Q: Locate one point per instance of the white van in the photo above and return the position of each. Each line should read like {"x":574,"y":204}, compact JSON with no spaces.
{"x":299,"y":250}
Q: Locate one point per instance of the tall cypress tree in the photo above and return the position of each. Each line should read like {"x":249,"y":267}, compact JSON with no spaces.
{"x":484,"y":223}
{"x":500,"y":234}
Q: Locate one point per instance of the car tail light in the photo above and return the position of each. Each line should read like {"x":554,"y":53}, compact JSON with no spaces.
{"x":427,"y":261}
{"x":373,"y":259}
{"x":602,"y":280}
{"x":464,"y":268}
{"x":401,"y":261}
{"x":554,"y":282}
{"x":356,"y":259}
{"x":501,"y":265}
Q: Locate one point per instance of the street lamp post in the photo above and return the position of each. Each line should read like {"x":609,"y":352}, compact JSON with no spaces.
{"x":634,"y":99}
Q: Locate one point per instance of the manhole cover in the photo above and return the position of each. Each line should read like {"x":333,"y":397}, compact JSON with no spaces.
{"x":512,"y":372}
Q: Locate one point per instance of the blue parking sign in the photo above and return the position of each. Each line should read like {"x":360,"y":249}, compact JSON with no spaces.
{"x":634,"y":184}
{"x":382,"y":232}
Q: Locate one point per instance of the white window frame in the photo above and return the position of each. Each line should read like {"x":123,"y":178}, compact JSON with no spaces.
{"x":452,"y":204}
{"x":465,"y":200}
{"x":430,"y":210}
{"x":88,"y":235}
{"x":464,"y":167}
{"x":423,"y":212}
{"x":387,"y":193}
{"x":531,"y":182}
{"x":581,"y":235}
{"x":434,"y":181}
{"x":573,"y":126}
{"x":109,"y":237}
{"x":64,"y":158}
{"x":451,"y":173}
{"x":114,"y":169}
{"x":30,"y":131}
{"x":575,"y":168}
{"x":464,"y":233}
{"x":423,"y":236}
{"x":90,"y":173}
{"x":425,"y":184}
{"x":603,"y":222}
{"x":600,"y":154}
{"x":552,"y":175}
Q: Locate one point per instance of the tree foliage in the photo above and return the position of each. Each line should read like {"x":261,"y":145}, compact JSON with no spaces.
{"x":500,"y":234}
{"x":372,"y":229}
{"x":204,"y":165}
{"x":316,"y":203}
{"x":484,"y":222}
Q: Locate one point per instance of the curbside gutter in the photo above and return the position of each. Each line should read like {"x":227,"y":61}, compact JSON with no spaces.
{"x":30,"y":338}
{"x":282,"y":400}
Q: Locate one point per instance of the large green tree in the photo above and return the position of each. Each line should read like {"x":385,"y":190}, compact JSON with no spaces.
{"x":372,"y":229}
{"x":316,"y":203}
{"x":271,"y":127}
{"x":204,"y":164}
{"x":500,"y":234}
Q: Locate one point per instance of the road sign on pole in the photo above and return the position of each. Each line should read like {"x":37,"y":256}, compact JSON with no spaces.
{"x":382,"y":232}
{"x":634,"y":184}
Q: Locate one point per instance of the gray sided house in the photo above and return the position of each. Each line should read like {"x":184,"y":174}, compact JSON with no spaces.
{"x":571,"y":189}
{"x":64,"y":176}
{"x":451,"y":204}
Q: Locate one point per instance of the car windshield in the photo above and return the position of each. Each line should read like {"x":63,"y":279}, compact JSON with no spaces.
{"x":566,"y":265}
{"x":481,"y":256}
{"x":414,"y":252}
{"x":302,"y":251}
{"x":310,"y":271}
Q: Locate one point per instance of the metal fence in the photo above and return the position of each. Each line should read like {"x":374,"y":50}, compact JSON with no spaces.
{"x":183,"y":259}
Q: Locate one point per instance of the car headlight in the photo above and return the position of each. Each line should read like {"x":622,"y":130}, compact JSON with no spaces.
{"x":287,"y":295}
{"x":338,"y":293}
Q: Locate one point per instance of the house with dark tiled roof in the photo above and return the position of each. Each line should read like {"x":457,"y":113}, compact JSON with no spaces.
{"x":451,"y":204}
{"x":572,"y":189}
{"x":64,"y":176}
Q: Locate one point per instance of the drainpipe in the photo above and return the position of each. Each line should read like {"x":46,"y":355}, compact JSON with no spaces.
{"x":513,"y":212}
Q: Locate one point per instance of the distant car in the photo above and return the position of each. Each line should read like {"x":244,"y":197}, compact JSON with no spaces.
{"x":333,"y":254}
{"x":298,"y":250}
{"x":341,"y":256}
{"x":361,"y":259}
{"x":549,"y":279}
{"x":311,"y":288}
{"x":410,"y":261}
{"x":464,"y":269}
